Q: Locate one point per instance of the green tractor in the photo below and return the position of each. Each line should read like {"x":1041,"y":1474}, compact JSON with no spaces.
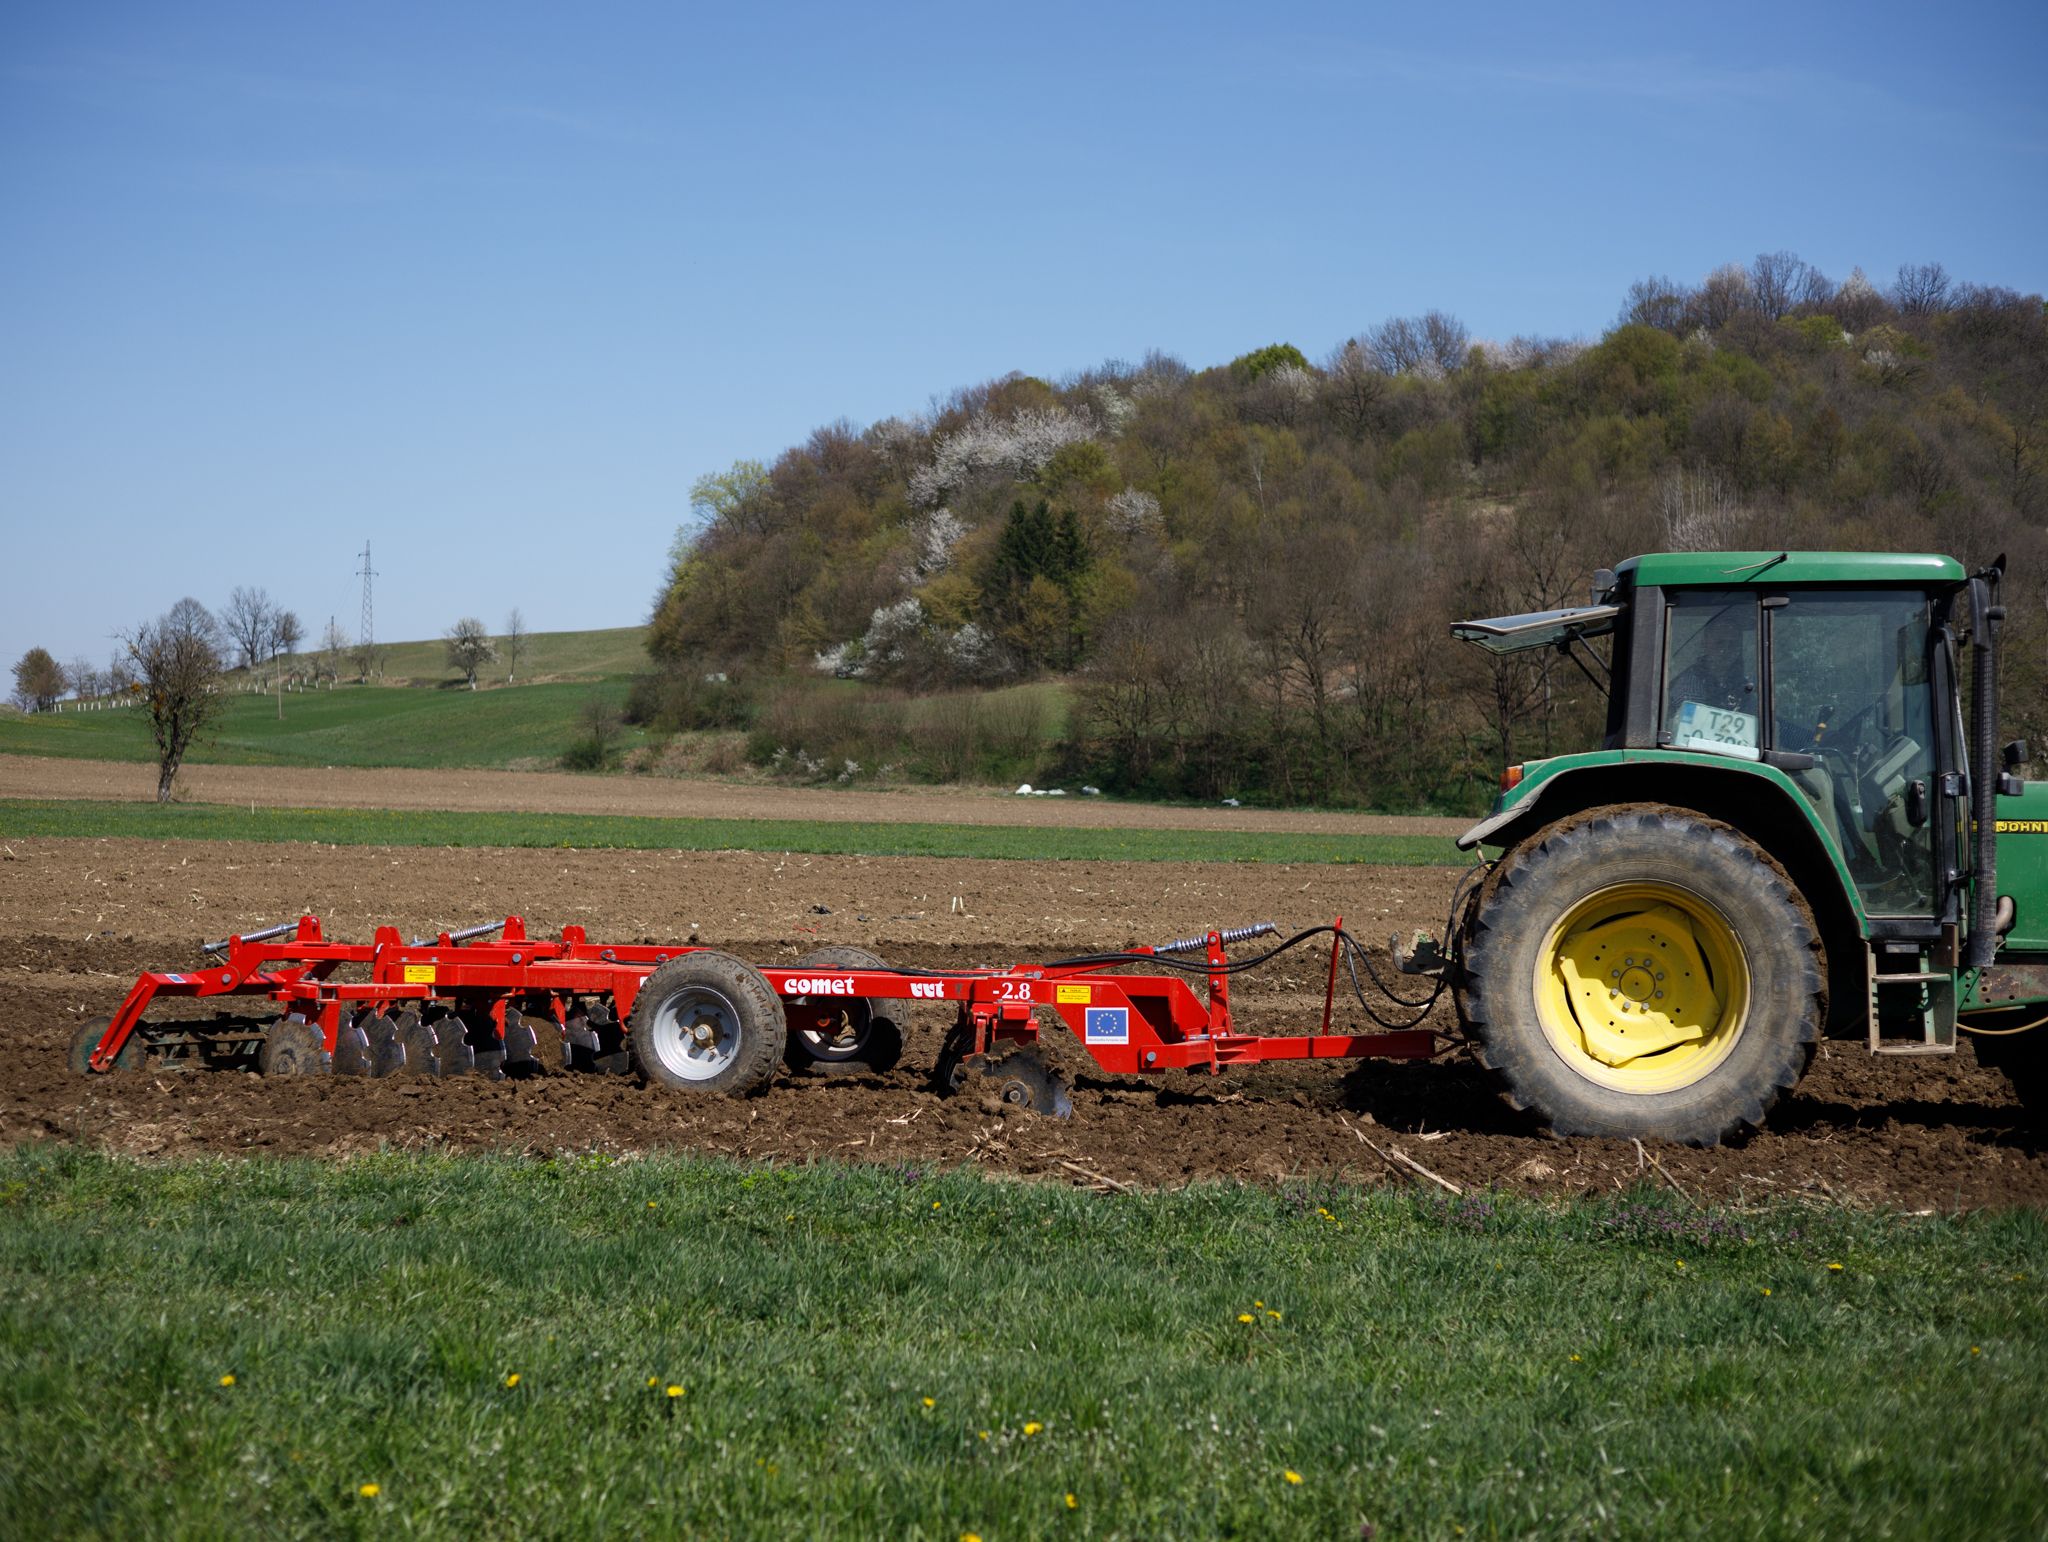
{"x":1789,"y":831}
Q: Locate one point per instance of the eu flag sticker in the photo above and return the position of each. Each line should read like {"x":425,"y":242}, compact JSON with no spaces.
{"x":1109,"y":1025}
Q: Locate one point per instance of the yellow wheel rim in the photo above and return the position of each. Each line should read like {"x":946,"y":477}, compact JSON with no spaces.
{"x":1643,"y":987}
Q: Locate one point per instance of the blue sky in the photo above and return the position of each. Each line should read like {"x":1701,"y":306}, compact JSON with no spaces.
{"x":491,"y":285}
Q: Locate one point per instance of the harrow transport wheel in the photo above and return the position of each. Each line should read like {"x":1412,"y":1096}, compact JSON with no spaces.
{"x":1645,"y":972}
{"x":707,"y":1022}
{"x":294,"y":1047}
{"x":831,"y":1032}
{"x":87,"y":1038}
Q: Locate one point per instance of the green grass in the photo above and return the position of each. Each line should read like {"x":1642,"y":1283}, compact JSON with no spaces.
{"x":348,"y":726}
{"x":391,"y":827}
{"x":1433,"y":1369}
{"x":618,"y":650}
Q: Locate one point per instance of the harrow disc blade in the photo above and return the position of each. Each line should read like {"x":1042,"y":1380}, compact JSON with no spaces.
{"x":452,"y":1054}
{"x":521,"y":1044}
{"x":353,"y":1055}
{"x":294,"y":1047}
{"x":592,"y":1041}
{"x":380,"y":1031}
{"x":1018,"y":1076}
{"x":407,"y":1048}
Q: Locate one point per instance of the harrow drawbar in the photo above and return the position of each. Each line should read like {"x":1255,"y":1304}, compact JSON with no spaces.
{"x":493,"y":1000}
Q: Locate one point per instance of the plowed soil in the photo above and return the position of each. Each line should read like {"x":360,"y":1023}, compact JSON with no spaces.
{"x":78,"y":919}
{"x":558,"y":792}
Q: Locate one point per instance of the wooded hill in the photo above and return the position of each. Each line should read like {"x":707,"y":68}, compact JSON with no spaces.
{"x":1248,"y":570}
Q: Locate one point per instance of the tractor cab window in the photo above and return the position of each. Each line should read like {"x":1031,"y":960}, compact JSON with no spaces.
{"x":1850,"y":686}
{"x":1711,"y":700}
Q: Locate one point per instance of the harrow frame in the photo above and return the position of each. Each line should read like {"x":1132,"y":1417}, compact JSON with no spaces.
{"x":1129,"y":1023}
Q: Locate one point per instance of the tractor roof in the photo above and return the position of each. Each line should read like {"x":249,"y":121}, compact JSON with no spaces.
{"x":1727,"y":569}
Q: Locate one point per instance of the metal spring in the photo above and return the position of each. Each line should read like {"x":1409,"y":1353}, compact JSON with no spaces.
{"x":1228,"y":934}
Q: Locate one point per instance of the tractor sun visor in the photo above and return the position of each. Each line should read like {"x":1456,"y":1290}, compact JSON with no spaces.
{"x":1538,"y":629}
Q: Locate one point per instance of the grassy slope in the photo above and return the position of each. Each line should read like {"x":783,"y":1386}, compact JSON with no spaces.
{"x":348,"y":726}
{"x":385,"y":827}
{"x":1429,"y":1368}
{"x":619,"y":650}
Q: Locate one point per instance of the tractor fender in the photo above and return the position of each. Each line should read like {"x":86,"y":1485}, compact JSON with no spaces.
{"x":1760,"y":801}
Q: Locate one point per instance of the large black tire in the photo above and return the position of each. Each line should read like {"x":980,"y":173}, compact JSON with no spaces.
{"x":87,"y":1038}
{"x":1569,"y":955}
{"x":706,"y":1022}
{"x":868,"y":1040}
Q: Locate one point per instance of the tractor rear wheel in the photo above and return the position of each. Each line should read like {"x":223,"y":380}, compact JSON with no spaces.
{"x":836,"y":1032}
{"x":707,"y":1022}
{"x":1644,"y":971}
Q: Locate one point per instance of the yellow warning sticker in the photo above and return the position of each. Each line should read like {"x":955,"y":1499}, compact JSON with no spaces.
{"x":419,"y":974}
{"x":2023,"y":827}
{"x":1080,"y":995}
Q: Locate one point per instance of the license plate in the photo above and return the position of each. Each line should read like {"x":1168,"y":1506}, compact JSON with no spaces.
{"x":1720,"y":729}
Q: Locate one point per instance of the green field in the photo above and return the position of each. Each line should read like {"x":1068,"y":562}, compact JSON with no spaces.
{"x":389,"y":827}
{"x":602,"y":654}
{"x":868,"y":1352}
{"x":374,"y":725}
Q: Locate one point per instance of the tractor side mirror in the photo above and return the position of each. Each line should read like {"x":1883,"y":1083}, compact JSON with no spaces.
{"x":1916,"y":803}
{"x":2016,"y":754}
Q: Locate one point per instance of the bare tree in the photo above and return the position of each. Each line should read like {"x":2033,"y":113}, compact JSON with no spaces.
{"x":286,"y":632}
{"x":84,"y":678}
{"x":1432,"y":344}
{"x":1656,"y":302}
{"x":513,"y":643}
{"x":38,"y":681}
{"x":1353,"y":387}
{"x":119,"y":675}
{"x":469,"y":648}
{"x":1781,"y":282}
{"x":333,"y":647}
{"x":177,"y":658}
{"x":1921,"y":288}
{"x":1724,"y":296}
{"x":1699,"y":511}
{"x":248,"y":618}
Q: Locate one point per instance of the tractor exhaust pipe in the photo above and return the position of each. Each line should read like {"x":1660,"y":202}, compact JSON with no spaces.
{"x":1985,"y":615}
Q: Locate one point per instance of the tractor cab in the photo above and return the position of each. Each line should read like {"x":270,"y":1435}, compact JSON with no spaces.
{"x":1809,"y":704}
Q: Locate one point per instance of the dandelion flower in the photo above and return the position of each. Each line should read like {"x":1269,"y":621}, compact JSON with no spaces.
{"x":1767,"y":1290}
{"x":369,"y":1491}
{"x":654,"y":1381}
{"x":228,"y":1380}
{"x":984,"y":1434}
{"x":970,"y":1536}
{"x":1681,"y":1263}
{"x":1836,"y":1268}
{"x":1975,"y":1350}
{"x":1272,"y":1314}
{"x":1246,"y":1317}
{"x":1073,"y":1503}
{"x":674,"y":1390}
{"x":1032,"y":1427}
{"x":1258,"y":1303}
{"x":1575,"y":1357}
{"x":931,"y":1402}
{"x":1291,"y":1475}
{"x":935,"y":1204}
{"x":512,"y":1379}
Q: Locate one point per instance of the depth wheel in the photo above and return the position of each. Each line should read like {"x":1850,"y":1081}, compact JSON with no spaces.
{"x":87,"y":1038}
{"x":707,"y":1022}
{"x":834,"y":1033}
{"x":1645,"y":972}
{"x":293,"y":1047}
